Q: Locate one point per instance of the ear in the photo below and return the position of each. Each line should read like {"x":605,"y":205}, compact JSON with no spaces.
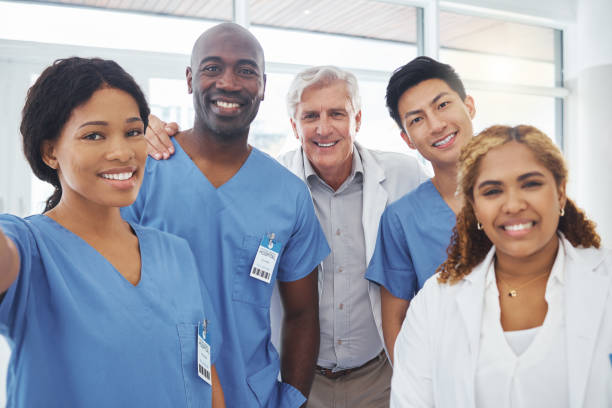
{"x":263,"y":92}
{"x":358,"y":121}
{"x":562,"y":196}
{"x":47,"y":151}
{"x":189,"y":78}
{"x":471,"y":105}
{"x":406,"y":138}
{"x":294,"y":127}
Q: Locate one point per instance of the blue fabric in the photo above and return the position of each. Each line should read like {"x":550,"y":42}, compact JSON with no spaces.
{"x":224,"y":227}
{"x":413,"y":235}
{"x":83,"y":336}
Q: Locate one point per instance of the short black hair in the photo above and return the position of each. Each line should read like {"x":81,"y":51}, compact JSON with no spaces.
{"x":413,"y":73}
{"x":65,"y":85}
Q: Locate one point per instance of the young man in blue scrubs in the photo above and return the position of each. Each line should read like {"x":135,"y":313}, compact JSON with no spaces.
{"x":248,"y":220}
{"x":428,"y":102}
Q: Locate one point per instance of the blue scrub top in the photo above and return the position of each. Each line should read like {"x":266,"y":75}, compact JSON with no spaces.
{"x":83,"y":336}
{"x":413,"y":235}
{"x":224,"y":227}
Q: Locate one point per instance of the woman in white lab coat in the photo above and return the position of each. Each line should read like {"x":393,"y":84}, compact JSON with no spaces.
{"x":520,"y":314}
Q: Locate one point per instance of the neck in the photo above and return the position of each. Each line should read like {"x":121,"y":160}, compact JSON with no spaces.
{"x":445,"y":180}
{"x":541,"y":262}
{"x":87,"y":219}
{"x":335,"y":176}
{"x":203,"y":144}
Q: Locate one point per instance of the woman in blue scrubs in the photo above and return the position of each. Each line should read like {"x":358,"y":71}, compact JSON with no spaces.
{"x":98,"y":312}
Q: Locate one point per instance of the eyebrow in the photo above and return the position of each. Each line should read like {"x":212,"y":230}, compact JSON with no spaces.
{"x":240,"y":61}
{"x":519,"y":178}
{"x":434,"y":100}
{"x":105,"y":123}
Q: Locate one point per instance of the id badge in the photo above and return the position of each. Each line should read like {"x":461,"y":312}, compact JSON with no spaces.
{"x":265,"y":260}
{"x":203,"y":353}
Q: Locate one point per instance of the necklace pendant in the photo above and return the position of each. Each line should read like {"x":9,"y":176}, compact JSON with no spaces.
{"x":512,"y":293}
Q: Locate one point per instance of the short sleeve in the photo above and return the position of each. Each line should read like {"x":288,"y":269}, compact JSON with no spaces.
{"x":307,"y":246}
{"x":14,"y":303}
{"x":391,"y":264}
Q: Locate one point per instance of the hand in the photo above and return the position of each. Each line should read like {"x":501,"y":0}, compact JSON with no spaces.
{"x":158,"y":136}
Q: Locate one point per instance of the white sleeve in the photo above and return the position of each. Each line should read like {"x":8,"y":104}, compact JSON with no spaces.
{"x":411,"y":384}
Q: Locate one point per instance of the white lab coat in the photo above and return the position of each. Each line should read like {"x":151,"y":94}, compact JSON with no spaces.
{"x":387,"y":176}
{"x":436,"y":352}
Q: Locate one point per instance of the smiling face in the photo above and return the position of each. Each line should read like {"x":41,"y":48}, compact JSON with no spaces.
{"x":326,"y":125}
{"x":101,"y":151}
{"x":517,"y":201}
{"x":435,"y":121}
{"x":227,"y":80}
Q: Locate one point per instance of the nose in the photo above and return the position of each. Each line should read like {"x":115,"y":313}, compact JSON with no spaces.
{"x":228,"y":81}
{"x":514,"y":202}
{"x":437,"y":123}
{"x":324,"y":126}
{"x":120,"y":149}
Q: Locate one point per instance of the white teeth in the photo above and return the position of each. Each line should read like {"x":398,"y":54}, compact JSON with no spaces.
{"x":445,"y":140}
{"x":518,"y":227}
{"x":227,"y":105}
{"x":325,"y":144}
{"x":117,"y":176}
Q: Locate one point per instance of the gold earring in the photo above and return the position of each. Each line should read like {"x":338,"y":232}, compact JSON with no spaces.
{"x":562,"y":212}
{"x":478,"y":226}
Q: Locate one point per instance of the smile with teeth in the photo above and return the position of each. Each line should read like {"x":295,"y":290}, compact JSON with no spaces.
{"x":445,"y":140}
{"x":330,"y":144}
{"x":227,"y":105}
{"x":118,"y":176}
{"x":518,"y":227}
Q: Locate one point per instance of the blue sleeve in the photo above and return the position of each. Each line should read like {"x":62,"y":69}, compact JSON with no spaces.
{"x":391,"y":264}
{"x":14,"y":304}
{"x":307,"y":246}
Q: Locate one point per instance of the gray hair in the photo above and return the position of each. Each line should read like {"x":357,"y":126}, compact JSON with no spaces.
{"x":321,"y":76}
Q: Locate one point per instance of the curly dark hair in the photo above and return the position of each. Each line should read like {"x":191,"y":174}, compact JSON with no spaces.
{"x":469,"y":246}
{"x":413,"y":73}
{"x":65,"y":85}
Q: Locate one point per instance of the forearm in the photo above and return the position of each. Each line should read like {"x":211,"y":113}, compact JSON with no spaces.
{"x":300,"y":348}
{"x":393,"y":314}
{"x":218,"y":400}
{"x":9,"y":262}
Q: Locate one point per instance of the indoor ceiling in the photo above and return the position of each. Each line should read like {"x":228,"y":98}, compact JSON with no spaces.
{"x":363,"y":18}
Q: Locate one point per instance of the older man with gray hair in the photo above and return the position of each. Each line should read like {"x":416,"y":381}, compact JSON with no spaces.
{"x":350,"y":186}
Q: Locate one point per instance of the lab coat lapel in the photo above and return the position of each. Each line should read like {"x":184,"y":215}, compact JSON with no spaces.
{"x":374,"y":199}
{"x":470,"y":305}
{"x":586,"y":294}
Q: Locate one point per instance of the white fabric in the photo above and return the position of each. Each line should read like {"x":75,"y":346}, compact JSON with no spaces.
{"x":387,"y":176}
{"x":519,"y":340}
{"x":536,"y":375}
{"x":436,"y":353}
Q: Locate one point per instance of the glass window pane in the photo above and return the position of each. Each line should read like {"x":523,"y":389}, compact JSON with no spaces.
{"x":494,"y":108}
{"x":487,"y":49}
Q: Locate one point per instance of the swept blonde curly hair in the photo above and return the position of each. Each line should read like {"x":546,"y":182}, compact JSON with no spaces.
{"x":469,"y":246}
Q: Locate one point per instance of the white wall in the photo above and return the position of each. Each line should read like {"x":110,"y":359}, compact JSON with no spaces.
{"x":588,"y":144}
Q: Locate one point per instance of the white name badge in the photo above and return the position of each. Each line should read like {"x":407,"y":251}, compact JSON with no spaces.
{"x":203,"y":353}
{"x":265,"y":260}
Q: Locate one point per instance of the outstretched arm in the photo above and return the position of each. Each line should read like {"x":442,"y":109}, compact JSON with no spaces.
{"x":393,"y":313}
{"x":158,"y":136}
{"x":300,"y":331}
{"x":9,"y":262}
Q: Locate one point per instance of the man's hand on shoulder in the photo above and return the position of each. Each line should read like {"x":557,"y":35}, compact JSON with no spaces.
{"x":158,"y":134}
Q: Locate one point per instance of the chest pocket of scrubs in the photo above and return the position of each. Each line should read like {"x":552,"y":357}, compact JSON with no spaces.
{"x":248,"y":289}
{"x":197,"y":392}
